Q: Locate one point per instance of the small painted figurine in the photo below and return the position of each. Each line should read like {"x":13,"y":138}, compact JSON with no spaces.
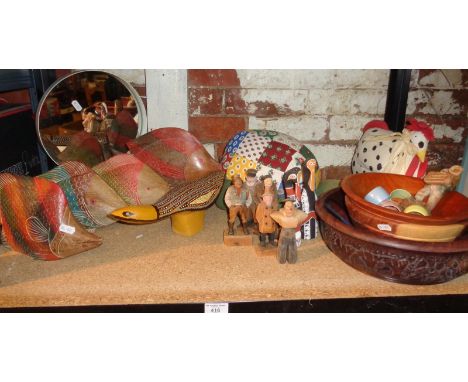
{"x":299,"y":185}
{"x":289,"y":218}
{"x":238,"y":200}
{"x":251,"y":183}
{"x":437,"y":184}
{"x":266,"y":186}
{"x":266,"y":225}
{"x":91,"y":121}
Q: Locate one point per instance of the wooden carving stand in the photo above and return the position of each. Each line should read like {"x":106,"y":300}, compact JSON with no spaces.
{"x":239,"y":239}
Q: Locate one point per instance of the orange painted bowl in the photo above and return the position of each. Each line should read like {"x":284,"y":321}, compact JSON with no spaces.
{"x":385,"y":257}
{"x":449,"y":218}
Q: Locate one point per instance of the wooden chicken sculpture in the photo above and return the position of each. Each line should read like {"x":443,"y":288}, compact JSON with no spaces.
{"x":382,"y":150}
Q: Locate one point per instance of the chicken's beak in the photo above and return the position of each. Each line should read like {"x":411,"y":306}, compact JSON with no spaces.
{"x":136,"y":214}
{"x":421,"y":155}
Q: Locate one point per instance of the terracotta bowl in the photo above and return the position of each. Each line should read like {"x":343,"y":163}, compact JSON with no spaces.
{"x":448,"y":221}
{"x":387,"y":258}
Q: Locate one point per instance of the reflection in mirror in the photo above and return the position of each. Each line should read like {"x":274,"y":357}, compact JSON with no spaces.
{"x":89,"y":116}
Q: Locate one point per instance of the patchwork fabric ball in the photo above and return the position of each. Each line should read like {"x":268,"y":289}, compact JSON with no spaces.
{"x":269,"y":152}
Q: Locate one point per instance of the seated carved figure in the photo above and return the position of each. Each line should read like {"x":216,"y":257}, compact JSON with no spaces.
{"x":238,"y":200}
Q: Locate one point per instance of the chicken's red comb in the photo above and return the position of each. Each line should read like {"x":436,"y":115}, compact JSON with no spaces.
{"x":375,"y":124}
{"x":414,"y":125}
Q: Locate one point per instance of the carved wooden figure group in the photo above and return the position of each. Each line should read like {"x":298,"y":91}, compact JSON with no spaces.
{"x":256,"y":202}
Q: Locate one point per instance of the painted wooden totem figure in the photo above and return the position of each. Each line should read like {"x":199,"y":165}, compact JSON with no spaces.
{"x":300,"y":185}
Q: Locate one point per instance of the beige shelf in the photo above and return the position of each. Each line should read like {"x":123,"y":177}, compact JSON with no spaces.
{"x":162,"y":267}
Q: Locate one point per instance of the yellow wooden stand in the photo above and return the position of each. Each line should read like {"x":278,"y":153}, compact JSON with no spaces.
{"x":188,"y":223}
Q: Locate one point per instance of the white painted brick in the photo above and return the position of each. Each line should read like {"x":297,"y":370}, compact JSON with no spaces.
{"x":438,"y":102}
{"x":444,"y":131}
{"x":441,"y":103}
{"x":313,"y":78}
{"x":347,"y":127}
{"x":303,"y":128}
{"x":319,"y":101}
{"x":134,"y":76}
{"x":358,"y":101}
{"x":285,"y":78}
{"x":415,"y":98}
{"x":332,"y":155}
{"x":362,"y":78}
{"x":264,"y":78}
{"x":294,"y":100}
{"x":443,"y":79}
{"x":414,"y":78}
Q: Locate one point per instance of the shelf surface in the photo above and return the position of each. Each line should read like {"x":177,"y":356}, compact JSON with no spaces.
{"x":161,"y":267}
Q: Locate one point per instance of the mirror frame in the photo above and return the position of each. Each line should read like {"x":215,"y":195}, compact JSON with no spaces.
{"x":142,"y":117}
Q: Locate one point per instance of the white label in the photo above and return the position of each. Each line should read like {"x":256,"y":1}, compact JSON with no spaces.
{"x":384,"y":227}
{"x":220,"y":307}
{"x":76,"y":105}
{"x":67,"y":229}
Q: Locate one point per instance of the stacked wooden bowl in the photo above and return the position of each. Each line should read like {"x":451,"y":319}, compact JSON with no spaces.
{"x":448,"y":220}
{"x":382,"y":255}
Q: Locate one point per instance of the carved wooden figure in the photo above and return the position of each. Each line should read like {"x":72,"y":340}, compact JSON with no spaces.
{"x":289,"y":218}
{"x":266,"y":225}
{"x":251,"y":182}
{"x":437,"y":184}
{"x":238,"y":200}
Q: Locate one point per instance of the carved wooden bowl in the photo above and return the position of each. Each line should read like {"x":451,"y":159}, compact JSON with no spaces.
{"x":391,"y":259}
{"x":448,"y":220}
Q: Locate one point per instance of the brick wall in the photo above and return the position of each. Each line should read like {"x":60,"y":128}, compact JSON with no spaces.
{"x":323,"y":108}
{"x":440,"y":97}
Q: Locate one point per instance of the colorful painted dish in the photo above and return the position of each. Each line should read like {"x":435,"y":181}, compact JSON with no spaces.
{"x":416,"y":209}
{"x":449,"y":222}
{"x":377,"y":195}
{"x":384,"y":257}
{"x":391,"y":204}
{"x":400,"y":193}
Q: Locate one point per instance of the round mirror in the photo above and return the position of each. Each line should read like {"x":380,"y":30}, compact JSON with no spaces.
{"x":89,"y":116}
